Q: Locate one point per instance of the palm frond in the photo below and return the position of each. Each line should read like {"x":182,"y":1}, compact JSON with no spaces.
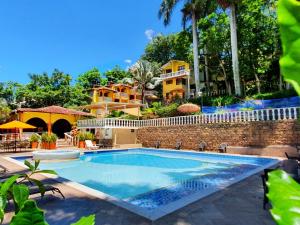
{"x":166,"y":9}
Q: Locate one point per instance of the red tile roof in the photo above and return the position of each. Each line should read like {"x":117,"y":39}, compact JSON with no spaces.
{"x":55,"y":109}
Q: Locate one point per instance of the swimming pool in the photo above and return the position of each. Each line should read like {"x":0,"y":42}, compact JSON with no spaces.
{"x":154,"y":183}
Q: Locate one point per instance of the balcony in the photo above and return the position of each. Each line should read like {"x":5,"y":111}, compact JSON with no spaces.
{"x":135,"y":101}
{"x":121,"y":95}
{"x":105,"y":99}
{"x":175,"y":74}
{"x":134,"y":92}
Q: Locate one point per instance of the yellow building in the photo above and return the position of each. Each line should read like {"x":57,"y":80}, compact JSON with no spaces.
{"x":54,"y":119}
{"x":115,"y":97}
{"x":176,"y":80}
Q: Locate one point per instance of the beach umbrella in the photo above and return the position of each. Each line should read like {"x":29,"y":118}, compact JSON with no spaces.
{"x":14,"y":125}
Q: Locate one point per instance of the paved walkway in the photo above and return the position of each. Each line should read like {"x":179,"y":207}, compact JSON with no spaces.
{"x":240,"y":204}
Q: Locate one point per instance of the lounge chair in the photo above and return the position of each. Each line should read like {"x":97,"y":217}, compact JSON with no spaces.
{"x":178,"y":145}
{"x":223,"y":148}
{"x":265,"y":178}
{"x":202,"y":146}
{"x":292,"y":157}
{"x":3,"y":169}
{"x":90,"y":146}
{"x":157,"y":144}
{"x":34,"y":189}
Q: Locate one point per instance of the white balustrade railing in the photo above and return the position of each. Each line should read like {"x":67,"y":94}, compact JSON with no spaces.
{"x":228,"y":117}
{"x":175,"y":74}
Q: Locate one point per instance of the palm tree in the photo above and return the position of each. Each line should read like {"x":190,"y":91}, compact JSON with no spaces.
{"x":192,"y":11}
{"x":231,"y":4}
{"x":146,"y":74}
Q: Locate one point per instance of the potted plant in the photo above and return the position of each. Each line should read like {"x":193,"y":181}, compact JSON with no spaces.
{"x":45,"y":141}
{"x":90,"y":136}
{"x":81,"y":139}
{"x":52,"y":141}
{"x":34,"y":140}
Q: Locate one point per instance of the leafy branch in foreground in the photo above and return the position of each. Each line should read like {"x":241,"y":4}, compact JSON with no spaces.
{"x":289,"y":20}
{"x":284,"y":195}
{"x":17,"y":188}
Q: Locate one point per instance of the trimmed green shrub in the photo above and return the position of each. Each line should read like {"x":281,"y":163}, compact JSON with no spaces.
{"x":168,"y":111}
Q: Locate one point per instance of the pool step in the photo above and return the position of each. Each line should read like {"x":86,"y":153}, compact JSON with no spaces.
{"x":62,"y":143}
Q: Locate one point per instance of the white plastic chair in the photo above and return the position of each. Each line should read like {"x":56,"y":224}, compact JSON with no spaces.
{"x":90,"y":146}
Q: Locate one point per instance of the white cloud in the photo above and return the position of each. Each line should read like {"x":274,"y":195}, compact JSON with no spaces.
{"x":149,"y":34}
{"x":128,"y":61}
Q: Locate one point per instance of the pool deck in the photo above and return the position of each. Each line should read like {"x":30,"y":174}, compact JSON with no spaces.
{"x":241,"y":204}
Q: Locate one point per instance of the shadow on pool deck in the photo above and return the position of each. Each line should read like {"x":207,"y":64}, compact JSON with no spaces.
{"x":240,"y":204}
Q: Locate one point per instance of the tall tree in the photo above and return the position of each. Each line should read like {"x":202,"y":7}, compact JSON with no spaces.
{"x":146,"y":74}
{"x":231,"y":4}
{"x":164,"y":48}
{"x":44,"y":90}
{"x":90,"y":78}
{"x":191,"y":11}
{"x":117,"y":74}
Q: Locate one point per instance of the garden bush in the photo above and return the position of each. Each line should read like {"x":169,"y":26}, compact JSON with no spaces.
{"x":274,"y":95}
{"x":168,"y":111}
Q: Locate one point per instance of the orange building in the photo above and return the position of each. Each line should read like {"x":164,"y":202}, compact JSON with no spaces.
{"x":114,"y":97}
{"x":176,"y":80}
{"x":54,"y":119}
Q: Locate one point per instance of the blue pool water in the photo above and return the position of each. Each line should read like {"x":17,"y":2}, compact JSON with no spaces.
{"x":153,"y":178}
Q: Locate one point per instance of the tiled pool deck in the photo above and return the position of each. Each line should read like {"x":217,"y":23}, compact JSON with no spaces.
{"x":240,"y":204}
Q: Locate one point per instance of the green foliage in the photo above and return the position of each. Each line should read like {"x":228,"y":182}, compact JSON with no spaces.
{"x":224,"y":100}
{"x":44,"y":90}
{"x":168,"y":111}
{"x":117,"y":74}
{"x":20,"y":195}
{"x":115,"y":114}
{"x":259,"y":45}
{"x":35,"y":138}
{"x":90,"y":78}
{"x":284,"y":195}
{"x":146,"y":74}
{"x":50,"y":138}
{"x":29,"y":214}
{"x":26,"y":210}
{"x":289,"y":20}
{"x":274,"y":95}
{"x":89,"y":136}
{"x":82,"y":136}
{"x":162,"y":48}
{"x":89,"y":220}
{"x":4,"y":110}
{"x":14,"y":188}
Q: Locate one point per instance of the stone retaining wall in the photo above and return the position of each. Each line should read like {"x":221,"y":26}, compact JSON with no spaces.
{"x":253,"y":134}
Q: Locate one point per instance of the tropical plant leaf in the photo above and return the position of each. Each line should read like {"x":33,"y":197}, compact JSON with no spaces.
{"x":39,"y":184}
{"x":86,"y":220}
{"x":284,"y":195}
{"x":36,"y":164}
{"x":46,"y":171}
{"x":20,"y":195}
{"x":289,"y":21}
{"x":8,"y":183}
{"x":29,"y":214}
{"x":3,"y":202}
{"x":29,"y":165}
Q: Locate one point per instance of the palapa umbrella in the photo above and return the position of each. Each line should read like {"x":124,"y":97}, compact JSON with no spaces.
{"x":14,"y":125}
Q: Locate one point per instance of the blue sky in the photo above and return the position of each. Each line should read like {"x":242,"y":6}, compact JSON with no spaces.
{"x":75,"y":35}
